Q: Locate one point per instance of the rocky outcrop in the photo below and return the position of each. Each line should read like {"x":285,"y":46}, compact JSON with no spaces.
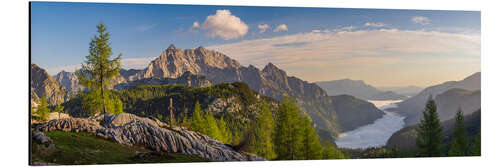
{"x":42,"y":84}
{"x":187,"y":79}
{"x":129,"y":129}
{"x":40,"y":138}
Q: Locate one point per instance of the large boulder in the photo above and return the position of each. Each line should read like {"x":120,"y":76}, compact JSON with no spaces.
{"x":130,"y":130}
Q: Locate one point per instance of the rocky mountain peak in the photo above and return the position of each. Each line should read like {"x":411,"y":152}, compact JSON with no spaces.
{"x":172,"y":47}
{"x":69,"y":80}
{"x":42,"y":84}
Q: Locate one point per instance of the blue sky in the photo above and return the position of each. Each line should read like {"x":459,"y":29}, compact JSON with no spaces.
{"x":447,"y":43}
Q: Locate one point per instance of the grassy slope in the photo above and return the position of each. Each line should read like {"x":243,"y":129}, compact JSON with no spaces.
{"x":85,"y":148}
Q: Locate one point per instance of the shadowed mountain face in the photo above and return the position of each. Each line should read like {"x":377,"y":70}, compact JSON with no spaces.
{"x":447,"y":97}
{"x":353,"y":112}
{"x":42,"y":84}
{"x":358,"y":89}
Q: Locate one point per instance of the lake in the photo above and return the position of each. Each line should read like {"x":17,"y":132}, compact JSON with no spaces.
{"x":376,"y":134}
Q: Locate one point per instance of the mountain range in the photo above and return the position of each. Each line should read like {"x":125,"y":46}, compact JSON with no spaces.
{"x":407,"y":91}
{"x":201,"y":67}
{"x":359,"y":89}
{"x":449,"y":96}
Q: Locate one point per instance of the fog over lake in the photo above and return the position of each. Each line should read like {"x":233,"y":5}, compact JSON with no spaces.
{"x":376,"y":134}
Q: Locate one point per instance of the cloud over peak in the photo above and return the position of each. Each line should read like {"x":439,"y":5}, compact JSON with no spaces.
{"x":224,"y":25}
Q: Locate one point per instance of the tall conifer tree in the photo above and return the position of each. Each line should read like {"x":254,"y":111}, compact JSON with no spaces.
{"x":261,"y":142}
{"x":98,"y":72}
{"x":459,"y":138}
{"x":311,"y":146}
{"x":429,"y":132}
{"x":197,"y":120}
{"x":288,"y":131}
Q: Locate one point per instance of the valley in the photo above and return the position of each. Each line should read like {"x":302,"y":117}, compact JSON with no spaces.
{"x":376,"y":134}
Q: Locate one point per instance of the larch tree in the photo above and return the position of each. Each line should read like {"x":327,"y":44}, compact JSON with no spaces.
{"x":288,"y":134}
{"x":261,"y":142}
{"x":97,"y":73}
{"x":311,"y":146}
{"x":330,"y":152}
{"x":224,"y":131}
{"x":197,"y":120}
{"x":43,"y":110}
{"x":429,"y":132}
{"x":459,"y":138}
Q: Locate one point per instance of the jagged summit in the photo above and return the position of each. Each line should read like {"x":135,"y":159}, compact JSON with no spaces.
{"x":270,"y":81}
{"x":272,"y":69}
{"x":171,"y":47}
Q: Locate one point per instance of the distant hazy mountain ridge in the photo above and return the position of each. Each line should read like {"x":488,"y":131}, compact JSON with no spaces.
{"x":357,"y":89}
{"x":468,"y":96}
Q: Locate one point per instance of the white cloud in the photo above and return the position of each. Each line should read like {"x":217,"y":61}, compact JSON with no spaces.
{"x":281,"y":27}
{"x":421,"y":20}
{"x":194,"y":27}
{"x":224,"y":25}
{"x":263,"y":28}
{"x":378,"y":24}
{"x":196,"y":24}
{"x":361,"y":53}
{"x":348,"y":28}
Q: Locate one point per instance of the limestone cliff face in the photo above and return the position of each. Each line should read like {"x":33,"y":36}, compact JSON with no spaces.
{"x":271,"y":81}
{"x":187,"y":79}
{"x":173,"y":62}
{"x":69,"y":80}
{"x":42,"y":84}
{"x":131,"y":130}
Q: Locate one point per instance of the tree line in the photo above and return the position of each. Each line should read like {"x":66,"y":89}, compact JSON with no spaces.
{"x":430,"y":136}
{"x":287,"y":135}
